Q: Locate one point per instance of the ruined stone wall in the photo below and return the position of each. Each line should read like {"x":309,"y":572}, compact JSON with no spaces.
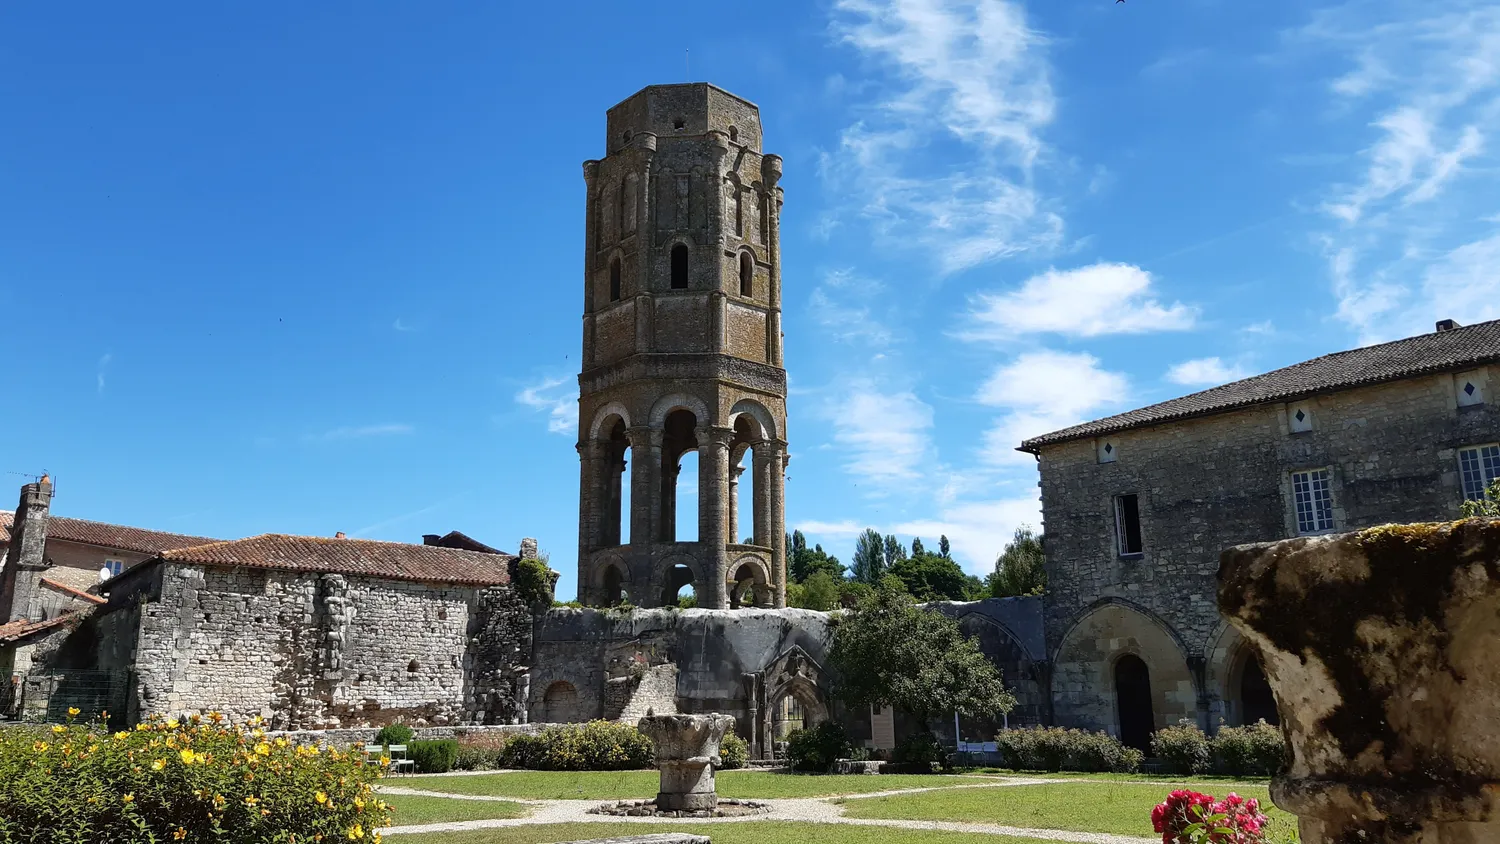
{"x":322,"y":650}
{"x":1207,"y":484}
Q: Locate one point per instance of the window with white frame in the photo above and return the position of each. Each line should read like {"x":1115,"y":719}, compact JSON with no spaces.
{"x":1313,"y":493}
{"x":114,"y":567}
{"x":1479,"y":465}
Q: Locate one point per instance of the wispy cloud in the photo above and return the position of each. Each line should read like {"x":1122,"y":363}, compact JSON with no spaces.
{"x":1043,"y":391}
{"x":1421,"y":86}
{"x":358,"y":432}
{"x":971,"y":81}
{"x":99,"y":371}
{"x":1205,"y":372}
{"x":558,"y":398}
{"x":842,"y":305}
{"x":886,"y":433}
{"x":1089,"y":301}
{"x":402,"y":326}
{"x":381,"y":525}
{"x":837,"y":530}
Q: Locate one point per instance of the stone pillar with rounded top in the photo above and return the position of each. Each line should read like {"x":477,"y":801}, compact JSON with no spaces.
{"x":1380,"y":647}
{"x":687,"y":752}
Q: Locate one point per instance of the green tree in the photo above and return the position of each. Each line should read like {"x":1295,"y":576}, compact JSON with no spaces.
{"x":975,"y":589}
{"x":819,"y":592}
{"x":929,"y":577}
{"x":943,"y":548}
{"x":869,"y":557}
{"x":916,"y":547}
{"x":894,"y":551}
{"x":891,"y":652}
{"x":802,"y":562}
{"x":851,"y":592}
{"x":1021,"y":567}
{"x":1487,"y":507}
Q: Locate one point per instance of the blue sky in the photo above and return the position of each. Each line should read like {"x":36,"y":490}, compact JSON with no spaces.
{"x":303,"y":269}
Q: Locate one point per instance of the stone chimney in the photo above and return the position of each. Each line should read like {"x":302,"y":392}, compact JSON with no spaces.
{"x":430,"y":538}
{"x":26,"y":558}
{"x":1447,"y":325}
{"x":340,"y":535}
{"x":528,"y":549}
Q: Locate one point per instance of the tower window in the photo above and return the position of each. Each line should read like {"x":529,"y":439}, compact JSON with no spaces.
{"x":678,"y":123}
{"x":734,"y":134}
{"x":679,"y":267}
{"x":747,"y":274}
{"x":1128,"y":525}
{"x":614,"y":280}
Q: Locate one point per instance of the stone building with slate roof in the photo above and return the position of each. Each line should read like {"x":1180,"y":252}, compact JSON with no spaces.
{"x":1137,"y":508}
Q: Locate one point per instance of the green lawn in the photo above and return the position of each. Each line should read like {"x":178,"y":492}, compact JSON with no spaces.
{"x":414,"y":810}
{"x":722,"y":833}
{"x":1200,"y":779}
{"x":1122,"y":808}
{"x":622,"y":785}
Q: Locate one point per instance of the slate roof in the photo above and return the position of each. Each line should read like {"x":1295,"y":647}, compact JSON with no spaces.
{"x":359,"y":557}
{"x":1440,"y":351}
{"x":105,"y":535}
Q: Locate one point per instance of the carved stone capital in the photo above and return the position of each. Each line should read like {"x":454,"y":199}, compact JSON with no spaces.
{"x":644,"y":437}
{"x":709,"y":435}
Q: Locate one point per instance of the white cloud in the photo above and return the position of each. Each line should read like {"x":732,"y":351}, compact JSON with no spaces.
{"x":969,"y":79}
{"x":1206,"y":372}
{"x":885,"y":432}
{"x":1422,"y":89}
{"x":1465,"y":283}
{"x":978,"y":530}
{"x":358,"y":432}
{"x":399,"y":325}
{"x":99,"y":371}
{"x":1044,"y":391}
{"x":1088,"y":301}
{"x":559,"y":398}
{"x":841,"y":305}
{"x":841,"y":530}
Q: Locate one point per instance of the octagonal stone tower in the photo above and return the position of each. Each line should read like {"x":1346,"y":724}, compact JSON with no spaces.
{"x":682,"y":350}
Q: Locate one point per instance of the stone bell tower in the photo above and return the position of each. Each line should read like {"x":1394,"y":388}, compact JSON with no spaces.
{"x":682,"y":350}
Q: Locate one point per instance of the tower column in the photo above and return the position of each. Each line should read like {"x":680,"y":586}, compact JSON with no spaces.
{"x":591,"y":493}
{"x":771,"y":173}
{"x":732,"y":524}
{"x":763,"y":494}
{"x":713,"y":489}
{"x":779,"y":460}
{"x":645,"y":450}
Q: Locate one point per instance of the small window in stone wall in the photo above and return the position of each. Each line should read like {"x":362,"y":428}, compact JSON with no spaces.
{"x":679,"y":267}
{"x":747,"y":274}
{"x":1312,"y":494}
{"x":1470,"y":387}
{"x":1128,"y":525}
{"x":1299,"y":417}
{"x":412,"y":666}
{"x":114,"y":567}
{"x":1107,"y":450}
{"x":1479,"y":466}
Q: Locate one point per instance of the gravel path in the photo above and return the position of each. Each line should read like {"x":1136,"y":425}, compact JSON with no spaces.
{"x":805,"y":810}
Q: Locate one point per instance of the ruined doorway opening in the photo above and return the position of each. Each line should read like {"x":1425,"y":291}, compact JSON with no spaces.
{"x":616,"y":527}
{"x":1256,"y":701}
{"x":1133,"y":702}
{"x":679,"y":589}
{"x":614,"y":587}
{"x":679,"y":454}
{"x":560,"y":704}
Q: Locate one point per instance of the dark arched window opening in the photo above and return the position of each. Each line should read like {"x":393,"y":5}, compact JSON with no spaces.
{"x":747,"y":274}
{"x":1133,"y":699}
{"x":680,"y":267}
{"x":614,"y":280}
{"x":679,"y":589}
{"x":1256,"y":699}
{"x":614,"y":587}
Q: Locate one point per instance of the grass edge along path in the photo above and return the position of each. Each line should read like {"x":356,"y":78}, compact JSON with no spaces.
{"x":413,"y":809}
{"x":630,"y":785}
{"x":758,"y":832}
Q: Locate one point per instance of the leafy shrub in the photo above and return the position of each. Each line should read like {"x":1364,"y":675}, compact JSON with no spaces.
{"x":534,"y":582}
{"x":595,"y":746}
{"x":1184,"y":748}
{"x":1058,"y":749}
{"x":193,"y":780}
{"x":734,"y":751}
{"x":393,"y":734}
{"x":480,"y":751}
{"x":817,"y":748}
{"x":433,"y":757}
{"x":921,"y":749}
{"x":1255,"y":750}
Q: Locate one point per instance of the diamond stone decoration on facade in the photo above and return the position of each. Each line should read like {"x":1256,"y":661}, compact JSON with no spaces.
{"x":1469,"y":388}
{"x":1301,"y":417}
{"x":1109,"y":449}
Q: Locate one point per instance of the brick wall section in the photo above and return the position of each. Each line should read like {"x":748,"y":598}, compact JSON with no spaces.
{"x":1211,"y":483}
{"x":319,"y":651}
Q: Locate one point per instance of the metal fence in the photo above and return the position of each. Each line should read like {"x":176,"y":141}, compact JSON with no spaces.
{"x":48,"y":696}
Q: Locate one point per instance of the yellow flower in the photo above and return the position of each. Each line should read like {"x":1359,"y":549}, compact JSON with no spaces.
{"x":321,"y":797}
{"x":172,"y":724}
{"x":40,"y":747}
{"x":187,"y":757}
{"x":358,"y":803}
{"x":158,"y":764}
{"x":121,"y":735}
{"x":218,"y":801}
{"x":179,"y":834}
{"x":142,"y":727}
{"x":59,"y":729}
{"x":127,"y":798}
{"x":356,"y":832}
{"x":250,"y":800}
{"x":263,"y":749}
{"x":281,"y":742}
{"x":73,"y":710}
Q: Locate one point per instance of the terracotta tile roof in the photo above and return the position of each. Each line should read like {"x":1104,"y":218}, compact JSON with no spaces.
{"x":361,"y":557}
{"x":71,"y":592}
{"x":105,"y":535}
{"x":1425,"y":354}
{"x":17,"y":632}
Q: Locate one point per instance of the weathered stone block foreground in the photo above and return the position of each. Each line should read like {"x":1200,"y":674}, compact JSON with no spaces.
{"x":1383,"y":649}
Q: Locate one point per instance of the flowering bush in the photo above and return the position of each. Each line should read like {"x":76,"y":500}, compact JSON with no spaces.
{"x":194,"y":780}
{"x":595,"y":746}
{"x":1190,"y":817}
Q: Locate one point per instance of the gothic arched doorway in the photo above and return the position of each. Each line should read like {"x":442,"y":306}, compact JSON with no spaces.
{"x":1133,"y":702}
{"x":1256,"y":701}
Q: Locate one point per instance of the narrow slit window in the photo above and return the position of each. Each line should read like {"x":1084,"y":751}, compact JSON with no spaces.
{"x":1480,"y":466}
{"x":1312,"y":492}
{"x":679,"y":267}
{"x":747,"y":274}
{"x":1128,"y":524}
{"x":614,"y":280}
